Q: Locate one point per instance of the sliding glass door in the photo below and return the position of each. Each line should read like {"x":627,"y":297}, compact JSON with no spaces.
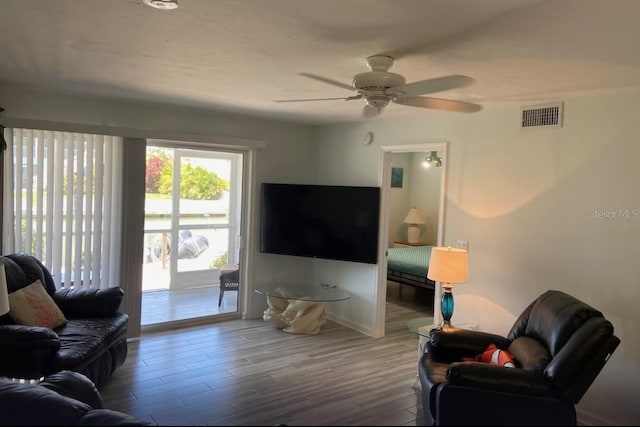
{"x":192,"y":232}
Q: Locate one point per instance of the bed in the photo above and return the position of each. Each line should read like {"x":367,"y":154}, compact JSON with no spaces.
{"x":409,"y":266}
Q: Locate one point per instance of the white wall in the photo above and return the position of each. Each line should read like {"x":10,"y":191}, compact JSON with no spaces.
{"x":425,"y":195}
{"x":529,"y":204}
{"x":400,"y":199}
{"x":421,"y":189}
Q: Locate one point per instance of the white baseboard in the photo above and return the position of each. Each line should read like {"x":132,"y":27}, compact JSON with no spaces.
{"x":363,"y":329}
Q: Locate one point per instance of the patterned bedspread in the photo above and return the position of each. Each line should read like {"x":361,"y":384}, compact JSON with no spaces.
{"x":414,"y":260}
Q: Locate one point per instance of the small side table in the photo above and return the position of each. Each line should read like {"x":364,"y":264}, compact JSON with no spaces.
{"x":423,"y":329}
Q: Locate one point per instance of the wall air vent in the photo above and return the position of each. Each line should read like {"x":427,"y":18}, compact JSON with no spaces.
{"x":547,"y":115}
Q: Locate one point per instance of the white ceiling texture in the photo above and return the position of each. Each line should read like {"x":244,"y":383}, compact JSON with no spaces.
{"x":241,"y":55}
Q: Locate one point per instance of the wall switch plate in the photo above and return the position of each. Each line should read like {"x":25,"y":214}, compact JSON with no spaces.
{"x":462,"y":244}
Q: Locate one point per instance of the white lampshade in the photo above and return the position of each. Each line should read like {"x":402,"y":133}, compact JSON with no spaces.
{"x":414,"y":217}
{"x":449,"y":265}
{"x":4,"y":292}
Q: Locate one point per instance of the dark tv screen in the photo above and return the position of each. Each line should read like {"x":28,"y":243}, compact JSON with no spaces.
{"x":320,"y":221}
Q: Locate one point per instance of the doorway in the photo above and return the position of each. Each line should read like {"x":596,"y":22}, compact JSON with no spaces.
{"x":387,"y":216}
{"x":192,"y":232}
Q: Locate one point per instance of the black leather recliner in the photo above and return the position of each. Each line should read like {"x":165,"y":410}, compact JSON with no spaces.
{"x":63,"y":399}
{"x":560,"y":345}
{"x":92,"y":342}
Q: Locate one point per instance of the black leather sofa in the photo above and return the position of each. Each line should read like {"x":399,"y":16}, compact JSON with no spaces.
{"x":560,"y":345}
{"x":63,"y":399}
{"x":92,"y":341}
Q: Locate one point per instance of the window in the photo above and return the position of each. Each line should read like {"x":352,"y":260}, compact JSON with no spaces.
{"x":62,"y":202}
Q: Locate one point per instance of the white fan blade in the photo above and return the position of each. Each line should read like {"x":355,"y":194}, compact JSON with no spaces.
{"x":326,"y":80}
{"x":348,"y":98}
{"x":368,"y":111}
{"x":310,"y":99}
{"x":439,"y":84}
{"x":439,"y":104}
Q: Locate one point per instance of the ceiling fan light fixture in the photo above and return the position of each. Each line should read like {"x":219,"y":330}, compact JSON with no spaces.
{"x":162,"y":4}
{"x":377,"y":101}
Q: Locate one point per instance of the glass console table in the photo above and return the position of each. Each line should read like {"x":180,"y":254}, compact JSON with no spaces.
{"x":299,"y":308}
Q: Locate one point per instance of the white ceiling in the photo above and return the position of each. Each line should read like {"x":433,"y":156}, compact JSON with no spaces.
{"x":241,"y":55}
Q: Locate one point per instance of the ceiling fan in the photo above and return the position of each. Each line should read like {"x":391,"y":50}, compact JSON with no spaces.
{"x":379,"y":87}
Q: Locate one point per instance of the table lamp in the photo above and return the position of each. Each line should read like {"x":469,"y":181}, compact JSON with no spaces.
{"x":4,"y":293}
{"x":448,"y":266}
{"x":414,"y":218}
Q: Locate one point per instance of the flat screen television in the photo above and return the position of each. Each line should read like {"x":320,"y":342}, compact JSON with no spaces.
{"x":320,"y":221}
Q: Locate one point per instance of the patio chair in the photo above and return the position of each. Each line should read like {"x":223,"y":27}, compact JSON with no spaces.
{"x":229,"y":280}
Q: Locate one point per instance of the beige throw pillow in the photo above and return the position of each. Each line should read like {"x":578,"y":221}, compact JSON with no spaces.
{"x":32,"y":306}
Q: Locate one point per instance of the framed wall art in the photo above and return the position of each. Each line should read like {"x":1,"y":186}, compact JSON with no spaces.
{"x":396,"y":177}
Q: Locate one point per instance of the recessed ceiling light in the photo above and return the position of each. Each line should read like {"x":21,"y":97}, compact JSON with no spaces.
{"x":162,"y":4}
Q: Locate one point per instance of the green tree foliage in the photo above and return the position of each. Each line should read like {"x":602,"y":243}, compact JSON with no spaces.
{"x":200,"y":184}
{"x":196,"y":183}
{"x":166,"y":179}
{"x":219,"y":261}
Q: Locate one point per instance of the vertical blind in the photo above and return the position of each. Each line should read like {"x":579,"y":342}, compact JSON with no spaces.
{"x":62,"y":203}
